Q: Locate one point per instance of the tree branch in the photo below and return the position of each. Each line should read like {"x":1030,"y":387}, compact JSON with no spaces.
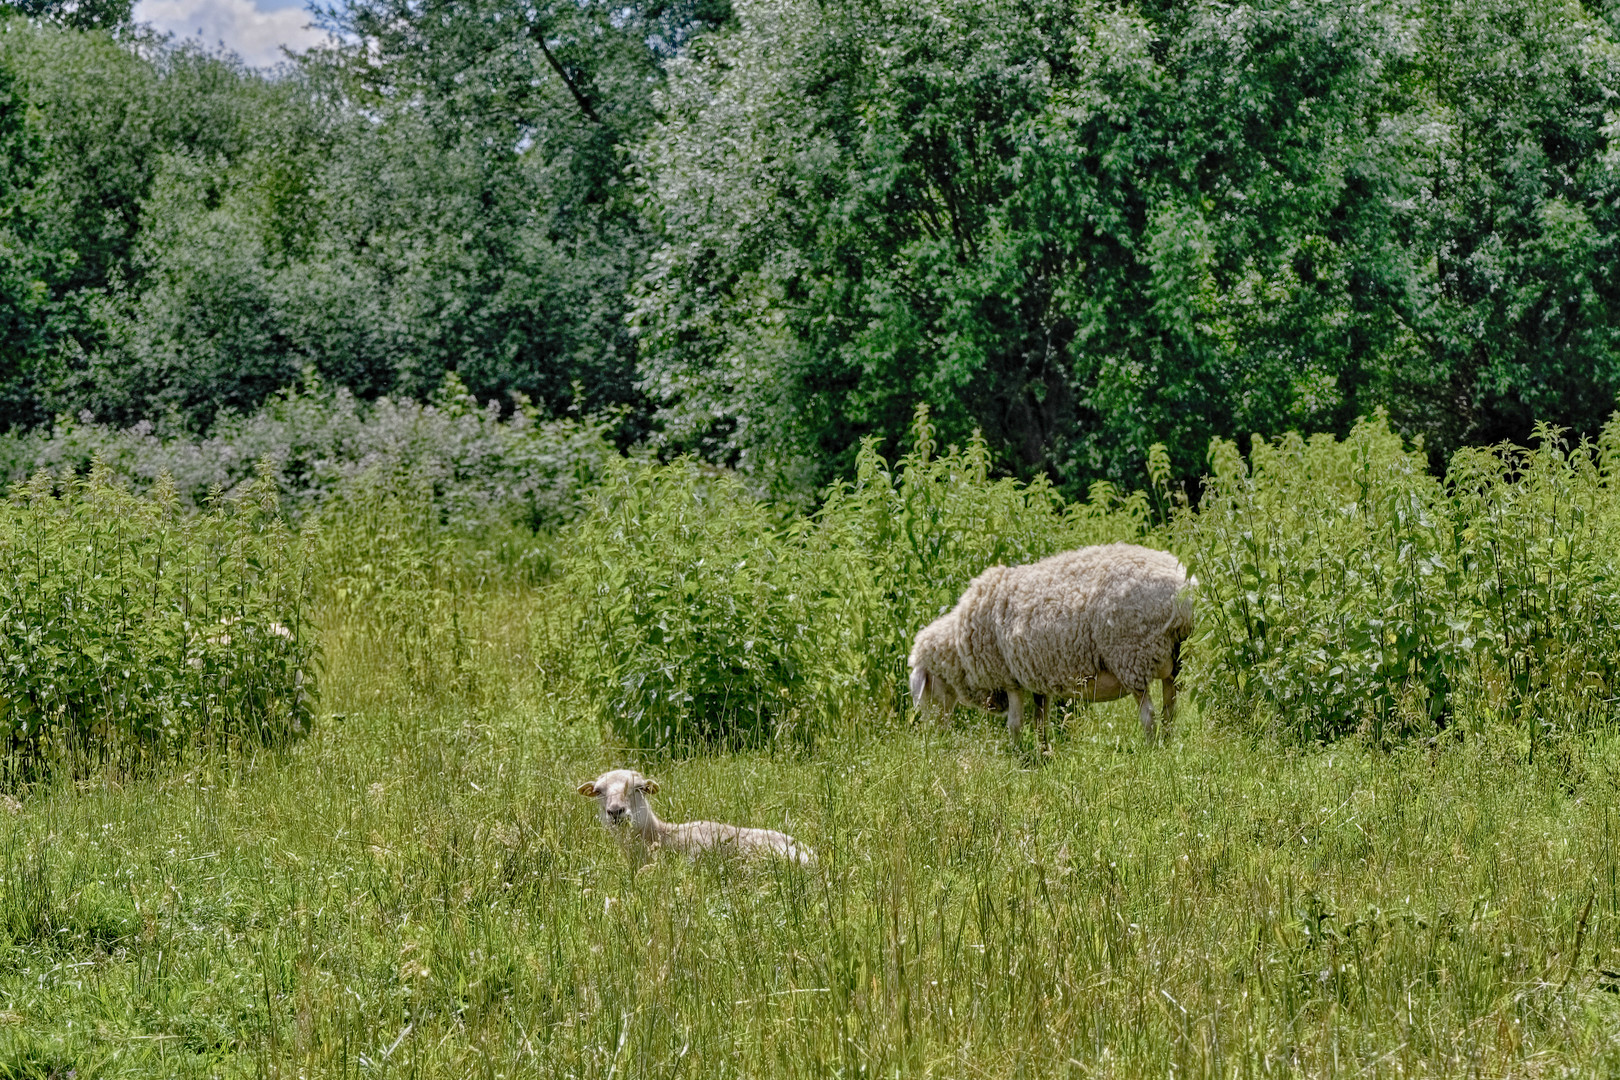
{"x":580,"y":99}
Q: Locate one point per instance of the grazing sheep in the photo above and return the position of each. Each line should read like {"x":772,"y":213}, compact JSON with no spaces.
{"x":1092,"y":624}
{"x":621,"y":799}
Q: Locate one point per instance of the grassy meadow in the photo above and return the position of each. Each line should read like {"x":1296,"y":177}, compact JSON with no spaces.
{"x":416,"y":890}
{"x":1306,"y":878}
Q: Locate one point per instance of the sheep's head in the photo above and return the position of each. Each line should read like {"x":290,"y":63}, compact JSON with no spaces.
{"x":621,"y":797}
{"x":928,"y":689}
{"x":929,"y":686}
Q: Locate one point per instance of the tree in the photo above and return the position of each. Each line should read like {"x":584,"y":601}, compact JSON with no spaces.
{"x":22,"y":263}
{"x":1084,"y":229}
{"x":515,"y":116}
{"x":1011,"y":211}
{"x":1497,"y":259}
{"x":76,"y":14}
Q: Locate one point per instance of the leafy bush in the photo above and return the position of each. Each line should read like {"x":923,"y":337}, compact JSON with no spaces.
{"x":1345,"y":589}
{"x":1536,"y":535}
{"x":697,"y":616}
{"x":1329,"y":583}
{"x":129,"y":625}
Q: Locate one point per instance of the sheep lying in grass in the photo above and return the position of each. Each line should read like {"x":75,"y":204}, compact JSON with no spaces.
{"x":1092,"y":624}
{"x":621,"y":801}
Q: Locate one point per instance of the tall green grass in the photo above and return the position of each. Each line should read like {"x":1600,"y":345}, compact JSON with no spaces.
{"x":417,"y":890}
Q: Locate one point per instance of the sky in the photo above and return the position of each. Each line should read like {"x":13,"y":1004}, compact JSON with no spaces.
{"x":253,"y":29}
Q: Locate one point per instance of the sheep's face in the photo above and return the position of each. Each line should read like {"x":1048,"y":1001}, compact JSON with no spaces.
{"x":621,"y":797}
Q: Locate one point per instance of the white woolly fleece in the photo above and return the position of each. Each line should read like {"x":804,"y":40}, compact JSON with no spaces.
{"x":1053,"y":627}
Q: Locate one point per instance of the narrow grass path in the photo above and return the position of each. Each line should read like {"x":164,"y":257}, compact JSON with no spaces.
{"x":418,"y":891}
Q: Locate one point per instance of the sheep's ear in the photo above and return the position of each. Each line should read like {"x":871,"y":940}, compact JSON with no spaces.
{"x":588,"y":788}
{"x":919,"y":685}
{"x":650,"y":787}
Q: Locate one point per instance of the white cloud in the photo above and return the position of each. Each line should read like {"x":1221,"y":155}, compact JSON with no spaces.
{"x":251,"y":33}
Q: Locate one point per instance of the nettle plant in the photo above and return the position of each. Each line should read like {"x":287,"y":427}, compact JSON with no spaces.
{"x":1536,"y":533}
{"x":1344,"y":589}
{"x":393,"y":576}
{"x":130,"y":626}
{"x":696,"y":625}
{"x":1329,"y":586}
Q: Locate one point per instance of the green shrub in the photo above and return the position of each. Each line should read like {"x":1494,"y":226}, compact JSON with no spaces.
{"x":1343,"y":588}
{"x":697,"y":627}
{"x":128,"y":624}
{"x":1328,"y":585}
{"x":1535,"y":534}
{"x":484,"y":468}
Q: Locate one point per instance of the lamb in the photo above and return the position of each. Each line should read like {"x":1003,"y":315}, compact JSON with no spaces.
{"x":621,"y":799}
{"x":1092,"y":624}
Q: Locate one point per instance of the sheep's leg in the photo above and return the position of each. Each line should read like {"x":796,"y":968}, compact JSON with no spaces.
{"x":1015,"y":713}
{"x":1040,"y":718}
{"x":1167,"y":675}
{"x":1144,"y":707}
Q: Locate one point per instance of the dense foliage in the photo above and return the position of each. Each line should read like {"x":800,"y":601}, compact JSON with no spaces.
{"x":772,"y":228}
{"x":185,"y":236}
{"x":1086,"y":228}
{"x":1342,"y":588}
{"x":131,"y":625}
{"x":1346,"y":590}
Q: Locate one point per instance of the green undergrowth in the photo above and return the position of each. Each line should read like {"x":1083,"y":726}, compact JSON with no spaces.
{"x":1280,"y":888}
{"x":129,"y":627}
{"x":417,"y":890}
{"x":1343,"y":589}
{"x":699,"y":616}
{"x":1346,"y":589}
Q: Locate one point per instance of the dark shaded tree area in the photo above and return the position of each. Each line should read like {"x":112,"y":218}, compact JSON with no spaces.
{"x":767,"y":229}
{"x":1086,"y":228}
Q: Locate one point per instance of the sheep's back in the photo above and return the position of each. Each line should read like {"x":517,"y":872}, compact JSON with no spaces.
{"x":979,"y":615}
{"x":1043,"y":628}
{"x":1068,"y":618}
